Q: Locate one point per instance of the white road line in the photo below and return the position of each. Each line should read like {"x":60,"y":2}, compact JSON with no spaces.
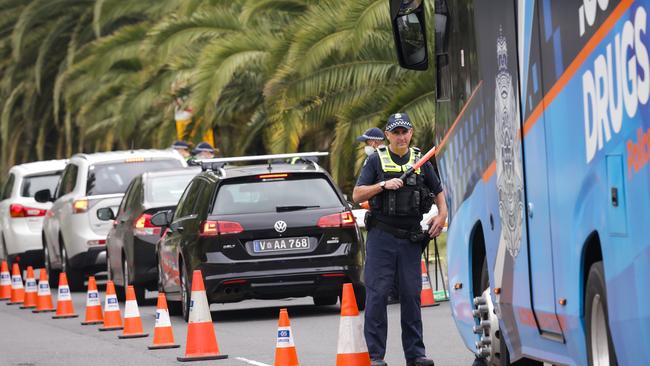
{"x":251,"y":362}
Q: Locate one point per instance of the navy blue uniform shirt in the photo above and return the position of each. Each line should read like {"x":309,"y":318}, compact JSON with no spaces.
{"x":371,"y":173}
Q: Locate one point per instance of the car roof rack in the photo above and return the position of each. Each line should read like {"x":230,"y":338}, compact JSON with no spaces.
{"x":217,"y":164}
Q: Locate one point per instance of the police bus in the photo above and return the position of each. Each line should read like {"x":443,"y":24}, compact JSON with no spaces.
{"x":543,"y":129}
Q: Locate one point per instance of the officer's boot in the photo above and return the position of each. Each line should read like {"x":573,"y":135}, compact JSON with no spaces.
{"x":420,"y":361}
{"x":375,"y":362}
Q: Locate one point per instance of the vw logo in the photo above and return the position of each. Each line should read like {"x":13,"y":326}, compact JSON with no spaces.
{"x":280,"y":226}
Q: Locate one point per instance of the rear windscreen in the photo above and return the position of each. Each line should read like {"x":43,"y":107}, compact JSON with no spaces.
{"x":36,"y":183}
{"x":275,"y":196}
{"x":115,"y":177}
{"x":167,"y":189}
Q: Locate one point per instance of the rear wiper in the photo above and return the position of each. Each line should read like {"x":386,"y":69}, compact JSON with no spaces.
{"x":293,"y":208}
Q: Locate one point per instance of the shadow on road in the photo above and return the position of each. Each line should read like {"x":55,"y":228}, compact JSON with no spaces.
{"x":271,"y":312}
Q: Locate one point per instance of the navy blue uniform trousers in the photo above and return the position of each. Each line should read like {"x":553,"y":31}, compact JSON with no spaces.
{"x":387,"y":257}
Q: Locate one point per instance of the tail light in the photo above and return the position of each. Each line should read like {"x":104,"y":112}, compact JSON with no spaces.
{"x":16,"y":210}
{"x":343,"y":219}
{"x":215,"y":228}
{"x":80,"y":206}
{"x":143,"y":226}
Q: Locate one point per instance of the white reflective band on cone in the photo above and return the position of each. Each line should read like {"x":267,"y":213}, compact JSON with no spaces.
{"x":131,"y":309}
{"x":285,"y":338}
{"x":92,"y":299}
{"x":199,"y":308}
{"x":425,"y":281}
{"x":16,"y":282}
{"x":43,"y":288}
{"x":110,"y":304}
{"x":351,"y":338}
{"x":162,"y":318}
{"x":64,"y":293}
{"x":5,"y":279}
{"x":30,"y":286}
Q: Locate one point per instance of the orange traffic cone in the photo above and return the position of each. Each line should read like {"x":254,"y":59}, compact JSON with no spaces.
{"x":44,"y":297}
{"x":5,"y":282}
{"x":17,"y":289}
{"x":93,"y":304}
{"x":64,"y":307}
{"x":30,"y":290}
{"x":285,"y":350}
{"x":132,"y":321}
{"x":112,"y":317}
{"x":201,"y":341}
{"x":352,"y":348}
{"x":426,"y":295}
{"x":163,"y":335}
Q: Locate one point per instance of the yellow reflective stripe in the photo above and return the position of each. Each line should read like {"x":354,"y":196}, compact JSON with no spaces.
{"x":389,"y":166}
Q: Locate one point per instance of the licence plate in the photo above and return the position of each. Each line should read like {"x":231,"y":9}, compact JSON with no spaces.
{"x":281,"y":244}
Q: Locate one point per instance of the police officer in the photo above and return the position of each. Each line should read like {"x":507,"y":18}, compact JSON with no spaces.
{"x":183,"y":148}
{"x":204,"y":151}
{"x":372,"y":138}
{"x":395,"y":238}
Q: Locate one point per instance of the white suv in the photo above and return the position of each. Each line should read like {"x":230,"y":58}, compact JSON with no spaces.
{"x":74,"y":239}
{"x":21,"y":217}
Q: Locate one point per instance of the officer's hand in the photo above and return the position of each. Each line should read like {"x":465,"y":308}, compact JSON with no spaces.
{"x":394,"y":184}
{"x":436,"y":224}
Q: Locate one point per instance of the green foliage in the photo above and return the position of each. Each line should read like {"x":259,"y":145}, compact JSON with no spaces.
{"x":265,"y":75}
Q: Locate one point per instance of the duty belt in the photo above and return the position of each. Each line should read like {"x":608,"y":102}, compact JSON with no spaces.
{"x":414,"y":236}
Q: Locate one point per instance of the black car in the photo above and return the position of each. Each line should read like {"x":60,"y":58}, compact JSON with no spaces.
{"x":262,"y":231}
{"x":131,"y":243}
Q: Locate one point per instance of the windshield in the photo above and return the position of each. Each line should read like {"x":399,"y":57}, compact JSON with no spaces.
{"x":115,"y":177}
{"x":275,"y":196}
{"x":36,"y":183}
{"x":167,"y":190}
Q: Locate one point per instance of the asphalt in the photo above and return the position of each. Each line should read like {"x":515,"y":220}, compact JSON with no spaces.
{"x":245,"y":331}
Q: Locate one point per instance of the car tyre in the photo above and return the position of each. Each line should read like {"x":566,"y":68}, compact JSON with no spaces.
{"x":600,"y":348}
{"x":75,"y":277}
{"x":139,"y":290}
{"x":52,"y":274}
{"x":186,"y":298}
{"x":360,"y":295}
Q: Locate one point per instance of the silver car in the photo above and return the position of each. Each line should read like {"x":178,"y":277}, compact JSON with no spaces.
{"x":21,"y":217}
{"x":74,"y":238}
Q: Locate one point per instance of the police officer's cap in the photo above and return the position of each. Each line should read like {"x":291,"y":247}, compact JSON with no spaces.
{"x":203,"y":147}
{"x":371,"y":134}
{"x":180,"y":145}
{"x":398,"y":120}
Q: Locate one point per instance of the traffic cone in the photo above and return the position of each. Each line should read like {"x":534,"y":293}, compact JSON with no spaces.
{"x":5,"y":282}
{"x":426,"y":295}
{"x":352,"y":348}
{"x":64,"y":307}
{"x":17,"y":289}
{"x":93,"y":304}
{"x":44,"y":297}
{"x":132,"y":321}
{"x":285,"y":350}
{"x":163,"y":335}
{"x":30,"y":290}
{"x":201,"y":343}
{"x":112,"y":317}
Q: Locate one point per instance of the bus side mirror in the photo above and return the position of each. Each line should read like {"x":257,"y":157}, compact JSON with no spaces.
{"x":409,"y":32}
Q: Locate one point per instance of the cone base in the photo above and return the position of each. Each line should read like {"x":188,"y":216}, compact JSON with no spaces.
{"x":128,"y":336}
{"x":201,"y":358}
{"x":429,"y":306}
{"x":110,"y":329}
{"x":68,"y":316}
{"x":164,"y":346}
{"x":28,"y":307}
{"x":93,"y":322}
{"x":15,"y":302}
{"x":7,"y":299}
{"x":44,"y":311}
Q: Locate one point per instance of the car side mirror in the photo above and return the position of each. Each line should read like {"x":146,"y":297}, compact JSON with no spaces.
{"x":409,"y":32}
{"x":105,"y":214}
{"x":161,"y":218}
{"x":43,"y":196}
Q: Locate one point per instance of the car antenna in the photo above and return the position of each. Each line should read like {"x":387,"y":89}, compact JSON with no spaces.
{"x":269,"y":167}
